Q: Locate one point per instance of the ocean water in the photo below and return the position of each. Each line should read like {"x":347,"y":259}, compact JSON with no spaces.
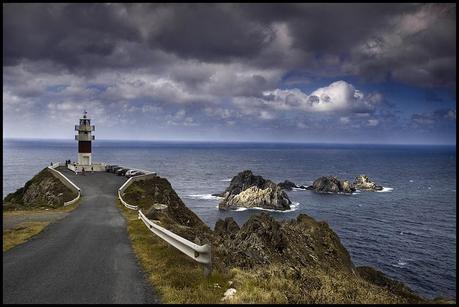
{"x":407,"y":231}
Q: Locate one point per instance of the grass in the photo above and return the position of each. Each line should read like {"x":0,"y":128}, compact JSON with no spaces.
{"x":177,"y":278}
{"x":26,"y":230}
{"x":43,"y":210}
{"x":21,"y":233}
{"x":275,"y":285}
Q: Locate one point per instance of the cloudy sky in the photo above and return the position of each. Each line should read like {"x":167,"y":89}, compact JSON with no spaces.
{"x":345,"y":73}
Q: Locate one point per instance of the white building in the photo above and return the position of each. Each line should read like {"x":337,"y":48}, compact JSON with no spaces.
{"x":84,"y":139}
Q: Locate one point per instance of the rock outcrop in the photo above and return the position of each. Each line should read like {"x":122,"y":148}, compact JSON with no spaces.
{"x":226,"y":227}
{"x":288,"y":185}
{"x":159,"y":201}
{"x":306,"y":252}
{"x":301,"y":242}
{"x":248,"y":191}
{"x":362,"y":182}
{"x":331,"y":184}
{"x":43,"y":190}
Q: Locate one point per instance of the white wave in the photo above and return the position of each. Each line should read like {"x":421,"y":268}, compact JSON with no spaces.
{"x":400,"y":264}
{"x":241,"y":209}
{"x":298,"y":189}
{"x":226,"y":180}
{"x":338,"y":193}
{"x":412,"y":233}
{"x":411,"y":180}
{"x":293,"y":207}
{"x":203,"y":197}
{"x":385,"y":189}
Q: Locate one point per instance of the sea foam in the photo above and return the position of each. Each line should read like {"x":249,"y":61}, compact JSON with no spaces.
{"x":385,"y":189}
{"x":293,"y":207}
{"x":400,"y":264}
{"x":298,"y":189}
{"x":203,"y":197}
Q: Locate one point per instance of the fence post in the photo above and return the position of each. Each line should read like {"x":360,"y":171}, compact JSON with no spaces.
{"x":208,"y":268}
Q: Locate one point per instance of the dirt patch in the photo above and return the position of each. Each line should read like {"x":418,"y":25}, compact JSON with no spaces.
{"x":11,"y":221}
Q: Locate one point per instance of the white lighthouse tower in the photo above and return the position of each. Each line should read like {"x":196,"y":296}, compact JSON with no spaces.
{"x":84,"y":139}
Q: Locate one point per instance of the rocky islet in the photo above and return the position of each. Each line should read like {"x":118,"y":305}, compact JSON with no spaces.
{"x":247,"y":190}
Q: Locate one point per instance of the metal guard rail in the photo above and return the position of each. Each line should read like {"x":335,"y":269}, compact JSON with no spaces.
{"x":53,"y":170}
{"x":126,"y":204}
{"x":126,"y":185}
{"x":73,"y":200}
{"x":199,"y":253}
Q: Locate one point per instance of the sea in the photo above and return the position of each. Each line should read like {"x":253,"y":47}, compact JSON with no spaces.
{"x":408,"y":230}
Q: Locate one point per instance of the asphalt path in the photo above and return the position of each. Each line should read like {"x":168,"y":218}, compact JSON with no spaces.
{"x":86,"y":257}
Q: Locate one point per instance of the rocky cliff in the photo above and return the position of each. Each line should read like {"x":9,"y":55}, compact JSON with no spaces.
{"x":262,"y":241}
{"x":43,"y":190}
{"x":304,"y":255}
{"x":159,"y":202}
{"x":248,"y":191}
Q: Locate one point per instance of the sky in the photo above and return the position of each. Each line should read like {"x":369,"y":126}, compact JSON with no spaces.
{"x":308,"y":73}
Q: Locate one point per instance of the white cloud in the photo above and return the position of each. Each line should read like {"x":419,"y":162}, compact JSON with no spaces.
{"x":301,"y":125}
{"x":451,"y":114}
{"x":266,"y":115}
{"x":344,"y":119}
{"x":338,"y":96}
{"x":373,"y":122}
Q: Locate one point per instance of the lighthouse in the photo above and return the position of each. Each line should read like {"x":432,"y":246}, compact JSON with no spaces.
{"x":84,"y":139}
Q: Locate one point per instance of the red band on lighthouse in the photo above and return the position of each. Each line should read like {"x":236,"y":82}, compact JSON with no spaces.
{"x":84,"y":146}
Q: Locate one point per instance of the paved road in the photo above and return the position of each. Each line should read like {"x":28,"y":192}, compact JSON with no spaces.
{"x":85,"y":257}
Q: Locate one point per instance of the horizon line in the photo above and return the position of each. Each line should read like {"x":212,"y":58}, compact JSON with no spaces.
{"x":234,"y":142}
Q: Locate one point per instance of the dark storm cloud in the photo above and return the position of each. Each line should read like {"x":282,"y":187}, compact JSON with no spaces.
{"x":267,"y":66}
{"x":209,"y":33}
{"x":67,"y":34}
{"x":411,"y":43}
{"x":332,"y":28}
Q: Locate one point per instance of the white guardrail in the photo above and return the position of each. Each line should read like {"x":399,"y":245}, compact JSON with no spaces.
{"x":65,"y":181}
{"x":199,"y":253}
{"x":128,"y":183}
